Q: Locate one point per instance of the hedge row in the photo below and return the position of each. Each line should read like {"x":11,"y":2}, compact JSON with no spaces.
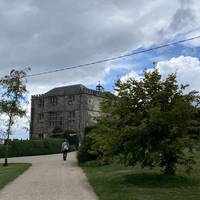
{"x":32,"y":147}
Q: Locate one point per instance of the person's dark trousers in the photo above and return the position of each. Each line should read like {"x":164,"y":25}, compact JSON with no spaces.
{"x":64,"y":155}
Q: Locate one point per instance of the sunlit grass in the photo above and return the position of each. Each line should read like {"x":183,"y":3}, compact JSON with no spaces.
{"x":11,"y":172}
{"x":116,"y":182}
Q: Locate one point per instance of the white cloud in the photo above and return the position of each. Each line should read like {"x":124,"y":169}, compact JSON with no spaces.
{"x":186,"y":68}
{"x":132,"y":74}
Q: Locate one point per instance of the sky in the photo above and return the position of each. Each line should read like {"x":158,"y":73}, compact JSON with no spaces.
{"x":48,"y":34}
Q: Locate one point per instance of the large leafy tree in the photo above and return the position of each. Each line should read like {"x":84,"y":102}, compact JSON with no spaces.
{"x":151,"y":121}
{"x":12,"y":100}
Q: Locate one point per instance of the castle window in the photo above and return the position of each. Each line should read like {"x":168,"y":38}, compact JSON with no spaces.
{"x":61,"y":121}
{"x":41,"y":103}
{"x":71,"y":99}
{"x":52,"y":119}
{"x":52,"y":116}
{"x":52,"y":123}
{"x":41,"y":116}
{"x":71,"y":115}
{"x":55,"y":119}
{"x":71,"y":120}
{"x":53,"y":100}
{"x":41,"y":136}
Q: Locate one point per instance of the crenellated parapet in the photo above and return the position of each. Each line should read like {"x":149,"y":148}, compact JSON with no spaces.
{"x":37,"y":96}
{"x":91,"y":92}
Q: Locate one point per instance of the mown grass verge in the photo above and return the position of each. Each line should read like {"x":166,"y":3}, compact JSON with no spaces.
{"x":12,"y":171}
{"x":116,"y":182}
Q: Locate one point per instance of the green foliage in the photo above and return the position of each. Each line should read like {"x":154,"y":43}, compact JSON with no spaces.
{"x":12,"y":99}
{"x":85,"y":152}
{"x":151,"y":121}
{"x":32,"y":147}
{"x":57,"y":130}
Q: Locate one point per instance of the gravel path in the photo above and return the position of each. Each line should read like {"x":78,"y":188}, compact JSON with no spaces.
{"x":49,"y":178}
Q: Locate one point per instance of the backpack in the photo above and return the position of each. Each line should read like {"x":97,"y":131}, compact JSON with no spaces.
{"x":65,"y":148}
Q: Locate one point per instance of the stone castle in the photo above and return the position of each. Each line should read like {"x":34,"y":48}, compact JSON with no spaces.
{"x":68,"y":108}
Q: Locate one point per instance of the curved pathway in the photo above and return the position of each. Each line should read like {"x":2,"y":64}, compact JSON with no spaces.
{"x":49,"y":178}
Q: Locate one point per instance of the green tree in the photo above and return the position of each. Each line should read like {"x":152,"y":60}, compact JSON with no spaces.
{"x":84,"y":151}
{"x":151,"y":121}
{"x":13,"y":98}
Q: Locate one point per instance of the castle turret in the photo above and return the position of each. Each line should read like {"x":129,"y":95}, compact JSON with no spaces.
{"x":99,"y":87}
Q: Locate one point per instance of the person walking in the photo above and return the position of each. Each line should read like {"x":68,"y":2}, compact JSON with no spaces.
{"x":65,"y":149}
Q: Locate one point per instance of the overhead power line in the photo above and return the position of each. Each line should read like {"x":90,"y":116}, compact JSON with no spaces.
{"x":114,"y":58}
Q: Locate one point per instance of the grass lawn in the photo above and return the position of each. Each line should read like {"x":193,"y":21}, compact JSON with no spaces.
{"x":116,"y":182}
{"x":12,"y":171}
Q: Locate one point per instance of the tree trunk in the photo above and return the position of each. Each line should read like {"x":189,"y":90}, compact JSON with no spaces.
{"x":6,"y":154}
{"x":170,"y":169}
{"x":7,"y":140}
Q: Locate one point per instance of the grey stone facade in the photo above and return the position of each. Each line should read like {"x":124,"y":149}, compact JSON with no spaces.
{"x":69,"y":108}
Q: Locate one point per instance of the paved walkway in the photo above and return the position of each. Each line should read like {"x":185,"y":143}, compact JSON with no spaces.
{"x":49,"y":178}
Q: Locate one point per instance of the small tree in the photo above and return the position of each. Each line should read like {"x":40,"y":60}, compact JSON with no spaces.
{"x":13,"y":98}
{"x":85,"y":152}
{"x":151,"y":121}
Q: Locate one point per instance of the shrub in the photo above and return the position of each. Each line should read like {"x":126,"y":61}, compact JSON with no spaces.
{"x":32,"y":147}
{"x":57,"y":130}
{"x":85,"y":150}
